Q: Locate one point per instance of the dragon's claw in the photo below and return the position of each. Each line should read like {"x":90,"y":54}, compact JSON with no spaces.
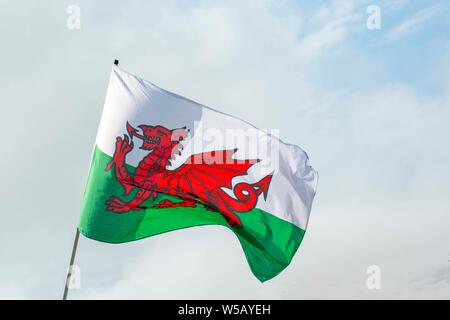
{"x":233,"y":220}
{"x":123,"y":147}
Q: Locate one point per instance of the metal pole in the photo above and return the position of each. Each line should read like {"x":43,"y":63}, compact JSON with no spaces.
{"x":74,"y":248}
{"x":72,"y":260}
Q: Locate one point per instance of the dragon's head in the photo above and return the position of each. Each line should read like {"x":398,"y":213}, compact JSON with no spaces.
{"x":158,"y":137}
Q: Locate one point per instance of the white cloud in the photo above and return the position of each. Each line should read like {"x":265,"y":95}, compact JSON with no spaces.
{"x":326,"y":28}
{"x":412,"y":24}
{"x":381,"y":151}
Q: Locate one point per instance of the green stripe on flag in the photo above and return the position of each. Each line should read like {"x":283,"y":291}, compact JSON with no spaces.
{"x":269,"y":242}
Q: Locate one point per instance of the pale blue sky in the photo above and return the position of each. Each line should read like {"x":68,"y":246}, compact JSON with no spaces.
{"x":371,"y":108}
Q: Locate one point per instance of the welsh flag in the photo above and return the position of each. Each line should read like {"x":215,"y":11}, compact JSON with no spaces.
{"x":162,"y":162}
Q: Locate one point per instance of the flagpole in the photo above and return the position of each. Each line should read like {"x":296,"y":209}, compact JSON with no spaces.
{"x":74,"y":248}
{"x":72,"y":260}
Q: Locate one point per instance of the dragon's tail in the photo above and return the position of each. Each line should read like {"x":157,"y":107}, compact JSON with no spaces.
{"x":262,"y":186}
{"x":245,"y":195}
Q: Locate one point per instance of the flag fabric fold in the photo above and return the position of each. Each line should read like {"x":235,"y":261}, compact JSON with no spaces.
{"x":162,"y":162}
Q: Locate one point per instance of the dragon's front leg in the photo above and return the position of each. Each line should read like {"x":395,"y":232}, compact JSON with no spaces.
{"x":116,"y":205}
{"x":123,"y":147}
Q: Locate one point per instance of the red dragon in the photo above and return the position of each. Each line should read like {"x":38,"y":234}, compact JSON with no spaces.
{"x":200,"y":180}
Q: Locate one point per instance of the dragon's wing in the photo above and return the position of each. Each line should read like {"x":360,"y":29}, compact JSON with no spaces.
{"x":203,"y":172}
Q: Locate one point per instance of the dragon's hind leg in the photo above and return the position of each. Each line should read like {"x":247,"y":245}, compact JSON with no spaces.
{"x":116,"y":205}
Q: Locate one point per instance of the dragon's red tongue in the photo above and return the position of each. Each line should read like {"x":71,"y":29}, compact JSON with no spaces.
{"x":134,"y":132}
